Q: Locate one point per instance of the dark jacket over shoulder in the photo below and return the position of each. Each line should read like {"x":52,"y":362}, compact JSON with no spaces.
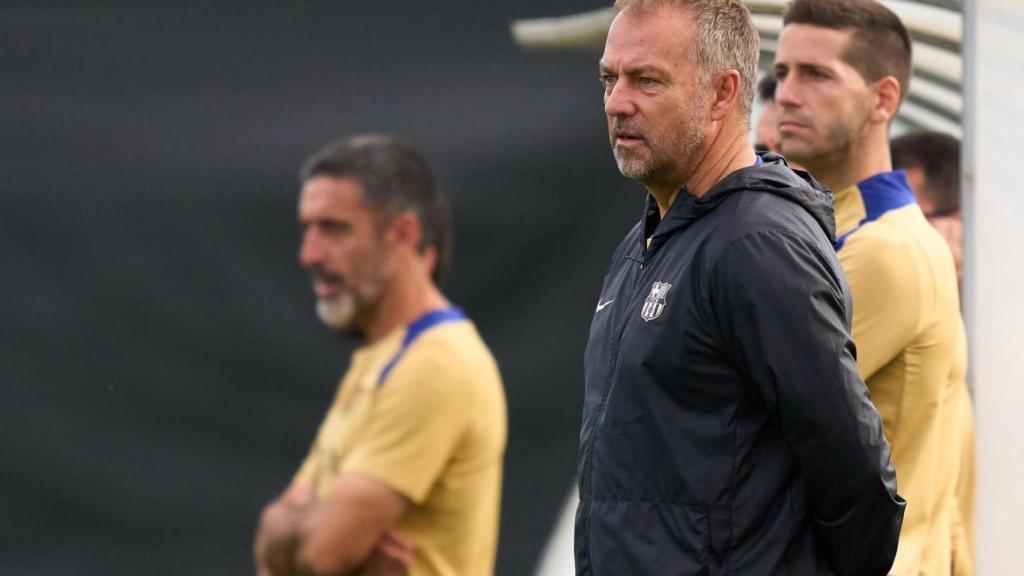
{"x":726,"y":429}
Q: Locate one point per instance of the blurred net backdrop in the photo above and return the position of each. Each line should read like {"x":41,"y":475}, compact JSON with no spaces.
{"x":163,"y":371}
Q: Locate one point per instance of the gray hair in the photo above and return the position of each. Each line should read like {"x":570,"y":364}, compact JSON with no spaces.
{"x":726,"y":39}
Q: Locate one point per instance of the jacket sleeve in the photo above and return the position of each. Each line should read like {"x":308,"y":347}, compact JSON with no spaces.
{"x":781,"y":307}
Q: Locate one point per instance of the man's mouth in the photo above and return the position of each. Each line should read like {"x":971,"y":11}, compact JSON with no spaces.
{"x":788,"y":125}
{"x":326,"y":290}
{"x":327,"y":285}
{"x":627,"y":138}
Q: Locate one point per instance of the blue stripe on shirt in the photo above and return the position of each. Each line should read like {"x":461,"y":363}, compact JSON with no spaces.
{"x":880,"y":193}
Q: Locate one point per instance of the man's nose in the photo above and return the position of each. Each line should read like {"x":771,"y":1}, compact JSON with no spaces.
{"x":311,"y":250}
{"x":618,"y":101}
{"x":786,"y":93}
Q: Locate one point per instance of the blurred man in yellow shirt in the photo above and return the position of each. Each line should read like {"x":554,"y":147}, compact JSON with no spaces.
{"x":405,"y":472}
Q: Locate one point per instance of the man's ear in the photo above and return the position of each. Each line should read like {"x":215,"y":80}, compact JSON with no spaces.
{"x":887,"y":99}
{"x":725,"y":87}
{"x":405,"y":228}
{"x":430,"y":259}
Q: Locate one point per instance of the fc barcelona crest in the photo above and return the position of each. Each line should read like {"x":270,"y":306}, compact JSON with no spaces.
{"x":655,"y":301}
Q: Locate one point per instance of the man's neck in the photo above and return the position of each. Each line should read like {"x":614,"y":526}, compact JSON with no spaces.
{"x":726,"y":152}
{"x":404,"y":300}
{"x":846,"y":168}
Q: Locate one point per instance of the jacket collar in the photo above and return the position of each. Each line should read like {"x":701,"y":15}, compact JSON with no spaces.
{"x":771,"y":174}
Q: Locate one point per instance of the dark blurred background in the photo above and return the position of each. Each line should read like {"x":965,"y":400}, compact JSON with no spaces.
{"x":163,"y":372}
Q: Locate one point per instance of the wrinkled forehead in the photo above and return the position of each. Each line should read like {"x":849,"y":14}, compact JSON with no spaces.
{"x":661,"y":37}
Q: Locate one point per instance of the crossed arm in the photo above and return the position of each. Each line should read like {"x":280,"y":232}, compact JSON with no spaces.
{"x":299,"y":535}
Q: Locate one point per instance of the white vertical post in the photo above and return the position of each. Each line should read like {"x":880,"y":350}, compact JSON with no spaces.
{"x":994,"y":271}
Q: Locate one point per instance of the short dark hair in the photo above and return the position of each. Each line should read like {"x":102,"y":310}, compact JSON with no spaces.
{"x":394,"y":177}
{"x":880,"y":45}
{"x":766,"y":88}
{"x":938,"y":156}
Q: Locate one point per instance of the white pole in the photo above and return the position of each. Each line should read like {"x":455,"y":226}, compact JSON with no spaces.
{"x":558,"y":558}
{"x":994,"y":271}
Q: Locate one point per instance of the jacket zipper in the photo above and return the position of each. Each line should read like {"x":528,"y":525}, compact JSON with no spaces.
{"x":613,"y":356}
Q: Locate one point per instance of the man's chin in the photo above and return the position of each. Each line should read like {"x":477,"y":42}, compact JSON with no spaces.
{"x":632,"y":167}
{"x":799,"y":152}
{"x":336,"y":314}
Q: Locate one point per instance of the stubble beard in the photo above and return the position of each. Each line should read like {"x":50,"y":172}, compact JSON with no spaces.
{"x":809,"y":153}
{"x":833,"y":149}
{"x":338,"y":312}
{"x":656,"y":158}
{"x":634,"y":164}
{"x":343,"y":311}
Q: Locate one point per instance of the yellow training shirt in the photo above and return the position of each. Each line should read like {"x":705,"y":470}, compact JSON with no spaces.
{"x":427,"y":419}
{"x":912,"y":352}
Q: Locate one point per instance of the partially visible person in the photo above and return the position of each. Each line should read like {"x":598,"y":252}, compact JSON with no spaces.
{"x":405,"y":472}
{"x":843,"y":68}
{"x":932,"y":163}
{"x":766,"y":129}
{"x":726,"y":429}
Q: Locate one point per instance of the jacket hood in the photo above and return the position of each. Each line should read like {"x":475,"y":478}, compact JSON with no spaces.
{"x":772,"y":175}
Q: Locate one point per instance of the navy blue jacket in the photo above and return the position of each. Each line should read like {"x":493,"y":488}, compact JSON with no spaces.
{"x":726,"y":429}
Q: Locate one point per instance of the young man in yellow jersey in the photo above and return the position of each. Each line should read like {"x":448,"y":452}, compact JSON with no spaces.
{"x":843,"y":68}
{"x":405,"y":472}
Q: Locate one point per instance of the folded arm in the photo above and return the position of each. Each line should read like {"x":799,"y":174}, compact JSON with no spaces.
{"x":334,"y":536}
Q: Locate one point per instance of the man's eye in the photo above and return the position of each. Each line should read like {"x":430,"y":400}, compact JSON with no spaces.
{"x":645,"y":81}
{"x":335,"y":228}
{"x":607,"y":80}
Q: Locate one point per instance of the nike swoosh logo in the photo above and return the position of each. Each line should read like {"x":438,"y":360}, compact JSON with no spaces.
{"x":602,"y":306}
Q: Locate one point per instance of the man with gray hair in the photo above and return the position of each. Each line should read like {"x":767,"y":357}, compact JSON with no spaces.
{"x":726,"y":429}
